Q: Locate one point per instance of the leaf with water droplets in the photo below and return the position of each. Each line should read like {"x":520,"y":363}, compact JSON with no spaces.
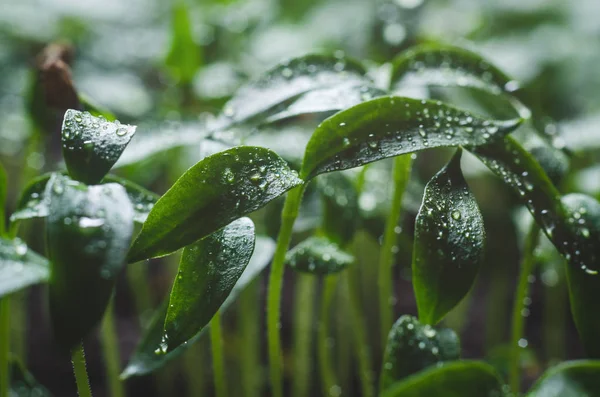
{"x":20,"y":267}
{"x":208,"y":270}
{"x":88,"y":232}
{"x":390,"y":126}
{"x":571,"y":378}
{"x":318,"y":255}
{"x":211,"y":194}
{"x":340,"y":207}
{"x":22,"y":383}
{"x":92,"y":145}
{"x":145,"y":359}
{"x":412,"y":347}
{"x":454,"y":379}
{"x":35,"y":200}
{"x":449,"y":243}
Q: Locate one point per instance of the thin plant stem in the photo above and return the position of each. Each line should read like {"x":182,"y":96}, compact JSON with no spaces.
{"x":328,"y":378}
{"x":110,"y":350}
{"x":216,"y":341}
{"x":343,"y":340}
{"x":4,"y":345}
{"x":194,"y":364}
{"x":304,"y":304}
{"x":518,"y":325}
{"x":555,"y":309}
{"x":81,"y":376}
{"x":288,"y":216}
{"x":250,"y":334}
{"x":401,"y":175}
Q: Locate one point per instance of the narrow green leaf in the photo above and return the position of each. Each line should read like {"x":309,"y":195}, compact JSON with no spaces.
{"x":35,"y":200}
{"x":145,"y":359}
{"x":390,"y":126}
{"x":20,"y":267}
{"x":340,"y":207}
{"x":23,"y":384}
{"x":571,"y":378}
{"x":412,"y":347}
{"x":318,"y":255}
{"x":185,"y":56}
{"x":208,"y":270}
{"x":211,"y":194}
{"x":89,"y":229}
{"x":455,"y":379}
{"x":92,"y":145}
{"x":449,"y":243}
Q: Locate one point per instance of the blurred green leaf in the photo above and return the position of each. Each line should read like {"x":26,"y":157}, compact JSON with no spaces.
{"x":20,"y":267}
{"x":211,"y":194}
{"x":571,"y":378}
{"x":449,"y":243}
{"x":89,"y":229}
{"x":3,"y":191}
{"x":340,"y":207}
{"x":185,"y":56}
{"x":23,"y":384}
{"x":318,"y":255}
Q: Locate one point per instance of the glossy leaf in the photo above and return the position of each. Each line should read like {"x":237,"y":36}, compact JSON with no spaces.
{"x":147,"y":356}
{"x":92,"y":145}
{"x":211,"y":194}
{"x":20,"y":267}
{"x":23,"y":384}
{"x":390,"y":126}
{"x":318,"y":255}
{"x":449,"y":243}
{"x":412,"y":347}
{"x":571,"y":378}
{"x":340,"y":207}
{"x":185,"y":56}
{"x":208,"y":270}
{"x":35,"y":200}
{"x":89,"y":229}
{"x":455,"y":379}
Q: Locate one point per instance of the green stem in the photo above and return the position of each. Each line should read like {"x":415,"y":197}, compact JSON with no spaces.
{"x":216,"y":342}
{"x":555,"y":308}
{"x":304,"y":304}
{"x":288,"y":216}
{"x":402,"y":167}
{"x":81,"y":376}
{"x":137,"y":276}
{"x":360,"y":335}
{"x":4,"y":345}
{"x":194,"y":366}
{"x":328,"y":378}
{"x":110,"y":350}
{"x":250,"y":334}
{"x":518,"y":325}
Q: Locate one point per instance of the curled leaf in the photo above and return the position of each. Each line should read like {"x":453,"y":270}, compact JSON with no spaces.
{"x":20,"y":267}
{"x":318,"y":255}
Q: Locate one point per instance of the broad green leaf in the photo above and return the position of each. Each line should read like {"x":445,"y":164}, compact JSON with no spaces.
{"x":208,"y":270}
{"x":340,"y":207}
{"x":35,"y":200}
{"x":211,"y":194}
{"x":455,"y":379}
{"x":147,"y":356}
{"x":412,"y":347}
{"x":390,"y":126}
{"x":185,"y":56}
{"x":23,"y":384}
{"x":318,"y":255}
{"x":449,"y":243}
{"x":89,"y":229}
{"x":92,"y":145}
{"x":20,"y":267}
{"x":571,"y":378}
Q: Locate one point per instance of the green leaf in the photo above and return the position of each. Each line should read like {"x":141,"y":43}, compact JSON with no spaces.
{"x":208,"y":270}
{"x":147,"y":356}
{"x":455,"y":379}
{"x":449,"y":243}
{"x":3,"y":190}
{"x":35,"y":200}
{"x":185,"y":56}
{"x":390,"y":126}
{"x":92,"y":145}
{"x":571,"y":378}
{"x":412,"y":347}
{"x":20,"y":267}
{"x":23,"y":384}
{"x":89,"y":229}
{"x":340,"y":207}
{"x":318,"y":255}
{"x":211,"y":194}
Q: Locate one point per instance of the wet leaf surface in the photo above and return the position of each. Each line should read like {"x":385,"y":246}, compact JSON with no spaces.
{"x":318,"y":255}
{"x":571,"y":378}
{"x":20,"y":267}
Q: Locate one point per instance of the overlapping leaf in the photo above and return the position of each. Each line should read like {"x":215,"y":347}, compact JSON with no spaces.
{"x":318,"y":255}
{"x":20,"y":267}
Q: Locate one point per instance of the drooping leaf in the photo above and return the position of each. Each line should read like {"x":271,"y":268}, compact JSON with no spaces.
{"x":35,"y":200}
{"x":412,"y":347}
{"x":390,"y":126}
{"x":211,"y":194}
{"x":148,"y":358}
{"x":185,"y":56}
{"x":571,"y":378}
{"x":340,"y":207}
{"x":20,"y":267}
{"x":23,"y":384}
{"x":455,"y":379}
{"x":89,"y":229}
{"x":208,"y":270}
{"x":449,"y":243}
{"x":318,"y":255}
{"x":92,"y":145}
